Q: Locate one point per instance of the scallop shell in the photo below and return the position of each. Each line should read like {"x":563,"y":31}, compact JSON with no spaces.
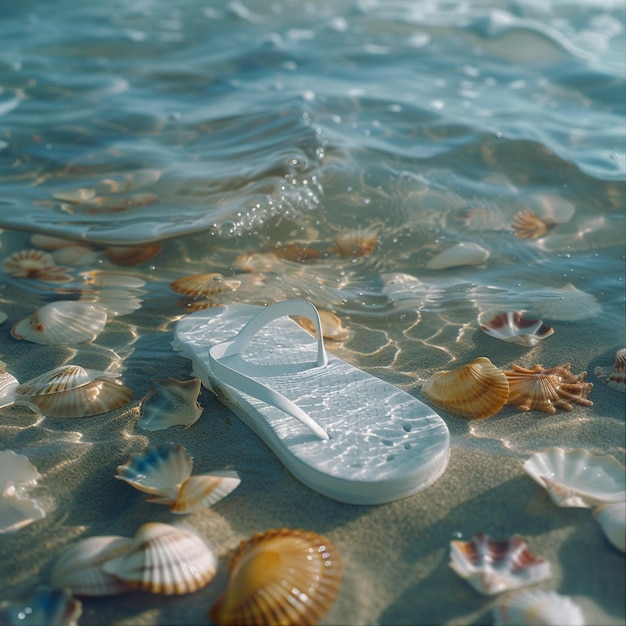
{"x":282,"y":576}
{"x":547,"y":389}
{"x":576,"y":478}
{"x":158,"y":471}
{"x":170,"y":402}
{"x":332,"y":328}
{"x":566,"y":304}
{"x":204,"y":285}
{"x":65,"y":322}
{"x":495,"y":565}
{"x":256,"y":262}
{"x":614,"y":376}
{"x":356,"y":242}
{"x":35,"y":264}
{"x":612,"y":520}
{"x":165,"y":559}
{"x":8,"y":385}
{"x":132,"y":255}
{"x":203,"y":491}
{"x":528,"y":225}
{"x":513,"y":327}
{"x":473,"y":391}
{"x":535,"y":607}
{"x":79,"y":567}
{"x":42,"y":607}
{"x":72,"y":391}
{"x":463,"y":253}
{"x":295,"y":253}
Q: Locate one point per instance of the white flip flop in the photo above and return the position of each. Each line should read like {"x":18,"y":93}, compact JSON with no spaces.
{"x":344,"y":433}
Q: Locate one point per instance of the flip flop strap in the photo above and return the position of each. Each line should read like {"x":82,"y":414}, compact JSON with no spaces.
{"x":253,"y":387}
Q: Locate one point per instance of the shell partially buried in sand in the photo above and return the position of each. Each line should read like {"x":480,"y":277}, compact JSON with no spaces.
{"x":513,"y":327}
{"x":282,"y":576}
{"x":473,"y":391}
{"x":614,"y":376}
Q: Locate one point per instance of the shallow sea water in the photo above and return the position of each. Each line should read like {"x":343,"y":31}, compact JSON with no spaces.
{"x":209,"y":131}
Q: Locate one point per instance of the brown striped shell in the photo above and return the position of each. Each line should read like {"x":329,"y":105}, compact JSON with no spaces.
{"x":36,"y":264}
{"x":473,"y":391}
{"x":528,"y":225}
{"x":132,"y":255}
{"x":202,"y":491}
{"x":356,"y":242}
{"x":282,"y":576}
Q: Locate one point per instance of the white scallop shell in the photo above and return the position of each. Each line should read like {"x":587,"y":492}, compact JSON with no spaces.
{"x":203,"y":491}
{"x":577,"y":478}
{"x":566,"y":304}
{"x":612,"y":520}
{"x":614,"y":375}
{"x":42,"y":607}
{"x":65,"y":322}
{"x":8,"y":385}
{"x":17,"y":469}
{"x":158,"y":471}
{"x":534,"y":607}
{"x":79,"y":567}
{"x":463,"y":253}
{"x":72,"y":391}
{"x":170,"y":402}
{"x":165,"y":559}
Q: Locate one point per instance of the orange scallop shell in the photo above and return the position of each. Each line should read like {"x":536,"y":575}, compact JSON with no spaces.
{"x":203,"y":285}
{"x":528,"y":225}
{"x":357,"y":242}
{"x":132,"y":255}
{"x":473,"y":391}
{"x":282,"y":576}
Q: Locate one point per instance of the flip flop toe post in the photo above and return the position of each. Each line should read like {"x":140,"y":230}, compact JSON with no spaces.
{"x":342,"y":432}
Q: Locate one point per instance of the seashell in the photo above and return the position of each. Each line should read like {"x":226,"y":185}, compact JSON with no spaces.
{"x":356,"y":242}
{"x":576,"y":478}
{"x":473,"y":391}
{"x":612,"y":520}
{"x":281,"y":576}
{"x":116,"y":302}
{"x":3,"y":316}
{"x":555,"y":210}
{"x":8,"y":385}
{"x":17,"y":469}
{"x":495,"y":565}
{"x":614,"y":376}
{"x":42,"y":607}
{"x":170,"y":402}
{"x":202,"y":491}
{"x":165,"y":559}
{"x":132,"y":255}
{"x":72,"y":391}
{"x":79,"y":567}
{"x":461,"y":254}
{"x":295,"y":253}
{"x":75,"y":196}
{"x":528,"y":225}
{"x":535,"y":607}
{"x":566,"y":304}
{"x":100,"y":278}
{"x":158,"y":471}
{"x":513,"y":327}
{"x":203,"y":285}
{"x":256,"y":262}
{"x":35,"y":264}
{"x":332,"y":328}
{"x":64,"y":322}
{"x":547,"y":389}
{"x":75,"y":255}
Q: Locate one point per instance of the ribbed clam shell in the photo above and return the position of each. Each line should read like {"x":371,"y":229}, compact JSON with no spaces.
{"x":282,"y":576}
{"x":204,"y":285}
{"x":577,"y":478}
{"x":165,"y":559}
{"x":332,"y":327}
{"x":535,"y":607}
{"x":73,"y":391}
{"x":528,"y":225}
{"x":43,"y":607}
{"x":132,"y":255}
{"x":459,"y":255}
{"x":513,"y":327}
{"x":473,"y":391}
{"x":158,"y":471}
{"x":495,"y":565}
{"x":32,"y":263}
{"x":79,"y":567}
{"x":170,"y":402}
{"x":8,"y":385}
{"x":356,"y":242}
{"x":614,"y":375}
{"x":612,"y":520}
{"x":65,"y":322}
{"x":547,"y":389}
{"x":202,"y":491}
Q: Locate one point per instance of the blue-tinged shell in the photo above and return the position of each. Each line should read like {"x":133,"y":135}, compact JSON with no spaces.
{"x":170,"y":402}
{"x":43,"y":607}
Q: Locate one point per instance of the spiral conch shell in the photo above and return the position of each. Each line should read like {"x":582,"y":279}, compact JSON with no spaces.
{"x":283,"y":576}
{"x":473,"y":391}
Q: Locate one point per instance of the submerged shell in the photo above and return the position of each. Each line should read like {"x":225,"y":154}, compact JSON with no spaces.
{"x":165,"y":559}
{"x":282,"y":576}
{"x":463,"y":253}
{"x":473,"y":391}
{"x":612,"y":520}
{"x":31,"y":263}
{"x":296,"y":253}
{"x":513,"y":327}
{"x":8,"y":385}
{"x":73,"y":391}
{"x":65,"y":322}
{"x":256,"y":262}
{"x":79,"y":567}
{"x":76,"y":255}
{"x":158,"y":471}
{"x":535,"y":607}
{"x":576,"y":478}
{"x":132,"y":255}
{"x":356,"y":242}
{"x":204,"y":285}
{"x":170,"y":402}
{"x":203,"y":491}
{"x":547,"y":389}
{"x":528,"y":225}
{"x":495,"y":565}
{"x":43,"y":607}
{"x":332,"y":328}
{"x":614,"y":375}
{"x":75,"y":195}
{"x":566,"y":304}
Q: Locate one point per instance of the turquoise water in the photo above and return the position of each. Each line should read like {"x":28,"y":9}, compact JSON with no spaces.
{"x":199,"y":132}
